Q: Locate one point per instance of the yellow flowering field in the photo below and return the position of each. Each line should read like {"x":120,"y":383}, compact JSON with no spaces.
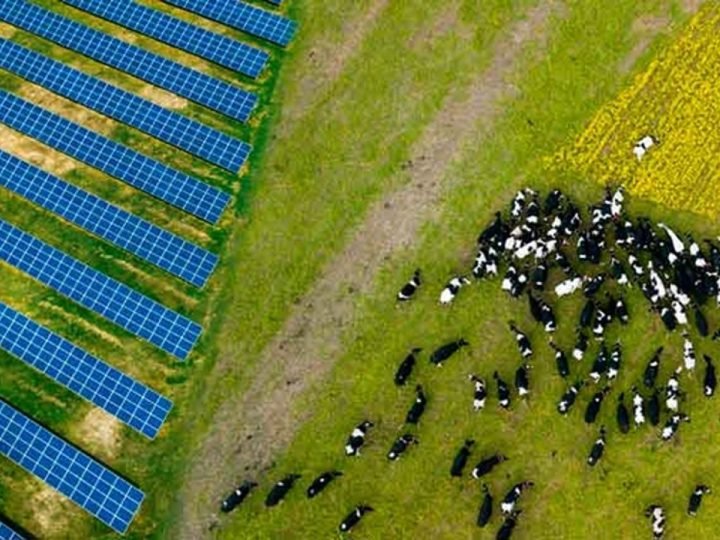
{"x":677,"y":100}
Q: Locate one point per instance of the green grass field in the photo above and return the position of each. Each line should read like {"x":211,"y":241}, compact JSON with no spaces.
{"x":355,"y":95}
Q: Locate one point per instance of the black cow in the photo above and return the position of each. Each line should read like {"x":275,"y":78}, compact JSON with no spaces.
{"x":568,"y":398}
{"x":622,"y":415}
{"x":696,"y":499}
{"x":700,"y":321}
{"x":400,"y":445}
{"x":547,"y":317}
{"x":487,"y":465}
{"x":600,"y":365}
{"x":280,"y":490}
{"x":652,"y":369}
{"x":506,"y":529}
{"x":357,"y":438}
{"x":503,"y":391}
{"x":508,"y":503}
{"x":598,"y":448}
{"x":354,"y":517}
{"x":321,"y":482}
{"x":418,"y":407}
{"x":535,"y":309}
{"x":444,"y":352}
{"x":561,"y":361}
{"x":581,"y":346}
{"x":586,"y":315}
{"x":657,"y":514}
{"x":710,"y":380}
{"x":408,"y":290}
{"x":592,"y":286}
{"x":461,"y":458}
{"x":522,"y":380}
{"x":539,"y":276}
{"x":480,"y":394}
{"x":593,"y":407}
{"x":237,"y":497}
{"x":653,"y":408}
{"x":405,"y":368}
{"x":668,"y":318}
{"x":485,"y":512}
{"x":523,"y":343}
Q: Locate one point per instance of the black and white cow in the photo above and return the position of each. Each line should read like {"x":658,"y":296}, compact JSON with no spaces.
{"x":710,"y":379}
{"x":535,"y":309}
{"x":405,"y":368}
{"x":354,"y":517}
{"x":561,"y":361}
{"x":696,"y":499}
{"x":461,"y":458}
{"x":523,"y":343}
{"x":593,"y":407}
{"x":672,"y":425}
{"x":448,"y":294}
{"x":280,"y":490}
{"x":617,"y":271}
{"x":486,"y":465}
{"x":598,"y":449}
{"x":357,"y":438}
{"x":689,"y":359}
{"x":503,"y":391}
{"x":568,"y":398}
{"x":237,"y":497}
{"x":508,"y":503}
{"x":480,"y":394}
{"x":592,"y":285}
{"x":581,"y":345}
{"x":539,"y":276}
{"x":587,"y":313}
{"x":638,"y":403}
{"x":321,"y":482}
{"x":656,"y":514}
{"x":522,"y":380}
{"x":442,"y":353}
{"x":653,"y":408}
{"x":621,"y":311}
{"x":410,"y":288}
{"x":418,"y":407}
{"x":622,"y":415}
{"x":600,"y":365}
{"x":652,"y":369}
{"x":672,"y":391}
{"x":485,"y":511}
{"x":568,"y":286}
{"x":614,"y":362}
{"x":400,"y":445}
{"x":547,"y":317}
{"x":508,"y":525}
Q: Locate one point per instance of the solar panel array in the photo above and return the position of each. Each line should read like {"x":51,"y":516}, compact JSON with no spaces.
{"x":175,"y":32}
{"x":170,"y":127}
{"x":6,"y":533}
{"x":138,"y":406}
{"x":157,"y":246}
{"x":96,"y":291}
{"x":138,"y":170}
{"x":176,"y":78}
{"x":255,"y":21}
{"x":92,"y":486}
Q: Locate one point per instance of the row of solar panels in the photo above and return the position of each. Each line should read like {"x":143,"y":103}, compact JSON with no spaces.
{"x":91,"y":485}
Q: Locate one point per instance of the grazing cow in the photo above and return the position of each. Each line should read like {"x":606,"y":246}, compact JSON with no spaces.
{"x":700,"y":321}
{"x":453,"y":286}
{"x":418,"y":407}
{"x":652,"y":369}
{"x":522,"y":380}
{"x":672,"y":391}
{"x":280,"y":490}
{"x":408,"y":290}
{"x":621,"y":311}
{"x":518,"y":205}
{"x":321,"y":482}
{"x":696,"y":499}
{"x":523,"y":343}
{"x":710,"y":380}
{"x":616,"y":205}
{"x":643,"y":145}
{"x":622,"y":415}
{"x":237,"y":497}
{"x":586,"y":315}
{"x":617,"y":271}
{"x":485,"y":512}
{"x":677,"y":244}
{"x":400,"y":445}
{"x":547,"y":317}
{"x":568,"y":398}
{"x":539,"y":276}
{"x":357,"y":438}
{"x":653,"y":408}
{"x":568,"y":286}
{"x":657,"y":515}
{"x":508,"y":503}
{"x":593,"y":407}
{"x":506,"y":529}
{"x":668,"y":318}
{"x":638,"y":407}
{"x":354,"y":517}
{"x":679,"y":313}
{"x":688,"y":353}
{"x":494,"y":233}
{"x":405,"y":368}
{"x":598,"y":448}
{"x":553,"y":201}
{"x":615,"y":361}
{"x":535,"y":309}
{"x":581,"y":346}
{"x":480,"y":394}
{"x":461,"y":458}
{"x":592,"y":286}
{"x":602,"y":319}
{"x":600,"y":365}
{"x":487,"y":465}
{"x":637,"y":268}
{"x":561,"y":361}
{"x":446,"y":351}
{"x":672,"y":425}
{"x":503,"y":391}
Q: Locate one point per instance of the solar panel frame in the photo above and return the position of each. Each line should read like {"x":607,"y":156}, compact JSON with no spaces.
{"x":147,"y":241}
{"x":241,"y":16}
{"x":124,"y":163}
{"x":69,"y":470}
{"x":6,"y":533}
{"x":129,"y":309}
{"x":130,"y":401}
{"x":221,"y":50}
{"x":189,"y":83}
{"x":168,"y":126}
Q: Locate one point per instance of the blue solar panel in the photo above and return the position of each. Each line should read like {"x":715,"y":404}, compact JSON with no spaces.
{"x":138,"y":170}
{"x":138,"y":406}
{"x":6,"y":533}
{"x":90,"y":485}
{"x":170,"y":127}
{"x":176,"y":32}
{"x":157,"y":246}
{"x":119,"y":303}
{"x":245,"y":17}
{"x":176,"y":78}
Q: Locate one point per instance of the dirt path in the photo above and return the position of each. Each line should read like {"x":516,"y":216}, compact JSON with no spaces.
{"x":249,"y":431}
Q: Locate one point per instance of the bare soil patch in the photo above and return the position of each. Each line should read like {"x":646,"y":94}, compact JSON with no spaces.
{"x":100,"y":433}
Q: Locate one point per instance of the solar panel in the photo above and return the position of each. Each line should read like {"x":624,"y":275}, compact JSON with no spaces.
{"x":149,"y":242}
{"x":175,"y":32}
{"x":170,"y":127}
{"x":176,"y":78}
{"x":90,"y":485}
{"x":133,"y":403}
{"x":120,"y":304}
{"x":245,"y":17}
{"x":6,"y":533}
{"x":138,"y":170}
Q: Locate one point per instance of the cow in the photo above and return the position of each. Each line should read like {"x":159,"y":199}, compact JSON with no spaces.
{"x":614,"y":362}
{"x":547,"y":317}
{"x":672,"y":425}
{"x":617,"y":271}
{"x":581,"y":345}
{"x":523,"y":343}
{"x":522,"y":380}
{"x":418,"y":407}
{"x":568,"y":286}
{"x":451,"y":289}
{"x":535,"y":309}
{"x":696,"y":499}
{"x":506,"y":529}
{"x":321,"y":482}
{"x":568,"y":398}
{"x":539,"y":276}
{"x":405,"y":368}
{"x":480,"y":394}
{"x":668,"y":318}
{"x":461,"y":458}
{"x":657,"y":515}
{"x":410,"y":288}
{"x":643,"y":145}
{"x":357,"y":438}
{"x":653,"y":368}
{"x":511,"y":498}
{"x":622,"y":415}
{"x":598,"y":448}
{"x":677,"y":245}
{"x":616,"y":204}
{"x":672,"y":391}
{"x":503,"y":391}
{"x":354,"y":517}
{"x":593,"y":285}
{"x":485,"y":512}
{"x":688,"y":353}
{"x":586,"y":315}
{"x":700,"y":321}
{"x":600,"y":365}
{"x":400,"y":445}
{"x":237,"y":497}
{"x":710,"y":380}
{"x":593,"y":407}
{"x":638,"y":407}
{"x":486,"y":465}
{"x":280,"y":490}
{"x":653,"y":408}
{"x":442,"y":353}
{"x":621,"y":311}
{"x":561,"y":361}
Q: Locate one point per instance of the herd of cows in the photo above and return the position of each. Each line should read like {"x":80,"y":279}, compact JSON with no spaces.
{"x":677,"y":275}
